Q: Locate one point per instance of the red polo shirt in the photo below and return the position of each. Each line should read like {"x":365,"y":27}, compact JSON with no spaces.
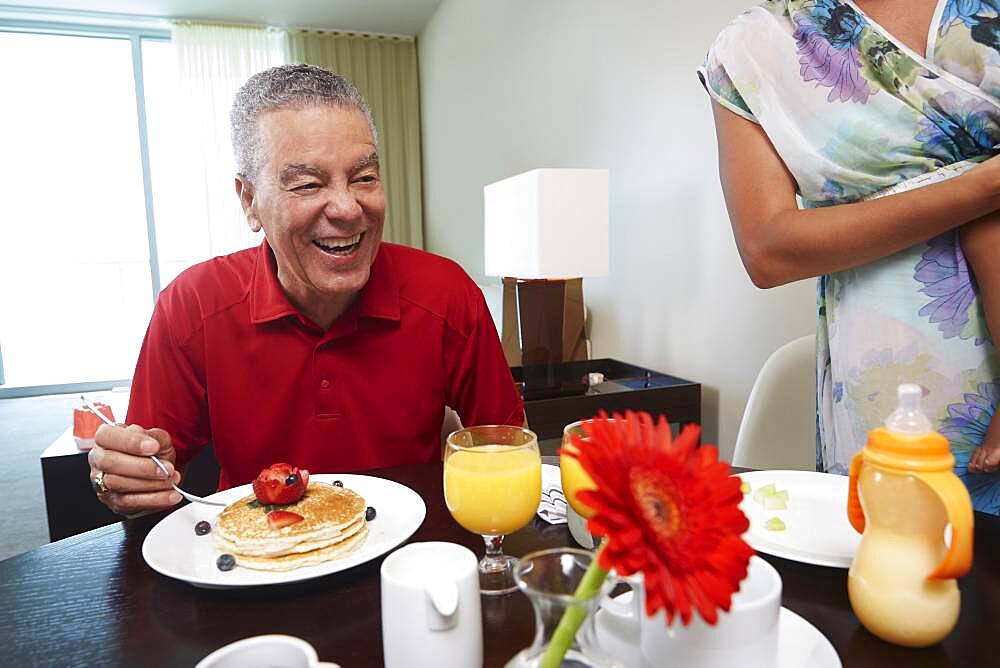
{"x":227,"y":359}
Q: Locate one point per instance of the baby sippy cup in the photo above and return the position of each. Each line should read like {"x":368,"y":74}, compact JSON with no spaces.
{"x":902,"y":494}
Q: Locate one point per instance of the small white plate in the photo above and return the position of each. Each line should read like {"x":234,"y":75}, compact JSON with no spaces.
{"x":173,"y":549}
{"x":800,"y":644}
{"x":816,"y":527}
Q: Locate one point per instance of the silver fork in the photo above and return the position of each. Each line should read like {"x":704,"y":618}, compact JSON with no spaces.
{"x":186,"y":495}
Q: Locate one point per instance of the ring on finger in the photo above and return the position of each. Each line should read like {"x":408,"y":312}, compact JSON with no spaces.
{"x":97,"y":484}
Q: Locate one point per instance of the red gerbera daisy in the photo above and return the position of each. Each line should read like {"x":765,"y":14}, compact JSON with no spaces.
{"x":668,"y":509}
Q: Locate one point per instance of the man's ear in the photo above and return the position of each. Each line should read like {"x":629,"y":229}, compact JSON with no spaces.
{"x":245,"y":191}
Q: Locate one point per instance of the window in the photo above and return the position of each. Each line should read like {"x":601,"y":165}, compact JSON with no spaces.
{"x":115,"y":176}
{"x":182,"y":236}
{"x":78,"y":263}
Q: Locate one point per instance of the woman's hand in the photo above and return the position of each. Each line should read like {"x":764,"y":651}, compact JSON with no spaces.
{"x":980,"y":240}
{"x":986,"y":458}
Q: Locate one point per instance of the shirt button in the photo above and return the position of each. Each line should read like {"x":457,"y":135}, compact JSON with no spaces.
{"x":325,"y":384}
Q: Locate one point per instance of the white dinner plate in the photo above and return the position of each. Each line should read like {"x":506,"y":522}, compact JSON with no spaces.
{"x":816,"y":527}
{"x":800,"y":644}
{"x":173,"y":549}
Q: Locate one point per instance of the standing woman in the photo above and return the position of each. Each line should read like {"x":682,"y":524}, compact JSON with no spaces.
{"x":880,"y":116}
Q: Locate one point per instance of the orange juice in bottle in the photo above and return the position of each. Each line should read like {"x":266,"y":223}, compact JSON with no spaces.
{"x":902,"y":494}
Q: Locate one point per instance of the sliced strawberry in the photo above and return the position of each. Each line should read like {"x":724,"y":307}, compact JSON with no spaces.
{"x":280,"y":484}
{"x":279,"y":519}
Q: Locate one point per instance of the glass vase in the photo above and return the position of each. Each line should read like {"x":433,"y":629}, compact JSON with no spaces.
{"x":550,"y":579}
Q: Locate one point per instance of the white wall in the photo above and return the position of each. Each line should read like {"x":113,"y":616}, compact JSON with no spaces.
{"x":514,"y":85}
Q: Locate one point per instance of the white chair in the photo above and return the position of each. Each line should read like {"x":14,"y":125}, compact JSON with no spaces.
{"x":452,"y":422}
{"x":778,"y":430}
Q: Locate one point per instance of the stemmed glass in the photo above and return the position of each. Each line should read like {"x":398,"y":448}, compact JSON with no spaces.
{"x":492,"y":486}
{"x":574,"y":478}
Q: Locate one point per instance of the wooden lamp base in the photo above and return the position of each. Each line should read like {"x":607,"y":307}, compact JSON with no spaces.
{"x":544,"y":325}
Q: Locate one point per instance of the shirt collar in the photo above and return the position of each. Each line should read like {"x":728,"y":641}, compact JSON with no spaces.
{"x":268,"y":301}
{"x":380,"y":296}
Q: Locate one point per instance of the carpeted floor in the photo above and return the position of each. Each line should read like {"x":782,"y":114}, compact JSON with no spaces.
{"x":27,"y":427}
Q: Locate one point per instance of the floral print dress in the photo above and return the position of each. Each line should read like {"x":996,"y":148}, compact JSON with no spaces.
{"x":856,"y":114}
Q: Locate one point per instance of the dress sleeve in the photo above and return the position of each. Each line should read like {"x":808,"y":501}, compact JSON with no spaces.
{"x":479,"y":384}
{"x":168,"y":387}
{"x":716,"y":80}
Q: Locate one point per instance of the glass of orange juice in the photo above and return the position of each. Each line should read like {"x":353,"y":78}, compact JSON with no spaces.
{"x":574,"y":479}
{"x":492,"y":486}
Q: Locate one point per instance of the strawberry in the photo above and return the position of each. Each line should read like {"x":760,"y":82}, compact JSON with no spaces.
{"x":279,"y":519}
{"x":280,"y":484}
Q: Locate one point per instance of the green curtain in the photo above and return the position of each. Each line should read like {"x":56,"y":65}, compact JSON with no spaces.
{"x":384,"y":68}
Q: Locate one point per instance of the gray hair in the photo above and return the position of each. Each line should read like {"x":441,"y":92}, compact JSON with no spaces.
{"x":286,"y":87}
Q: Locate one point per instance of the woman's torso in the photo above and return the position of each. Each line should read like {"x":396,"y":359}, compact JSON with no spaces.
{"x":854,"y":112}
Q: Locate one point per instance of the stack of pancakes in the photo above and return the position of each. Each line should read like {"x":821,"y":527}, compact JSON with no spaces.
{"x":333,"y":526}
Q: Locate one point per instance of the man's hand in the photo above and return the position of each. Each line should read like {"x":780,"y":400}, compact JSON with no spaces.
{"x":133,"y":481}
{"x":986,"y":458}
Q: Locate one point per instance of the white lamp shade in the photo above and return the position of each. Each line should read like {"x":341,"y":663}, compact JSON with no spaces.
{"x":547,"y":223}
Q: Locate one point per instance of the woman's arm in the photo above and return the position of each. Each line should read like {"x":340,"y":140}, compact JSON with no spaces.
{"x":981,"y":244}
{"x":779,"y":243}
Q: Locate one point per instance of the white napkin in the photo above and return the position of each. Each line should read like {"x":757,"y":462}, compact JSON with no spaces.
{"x":552,"y":507}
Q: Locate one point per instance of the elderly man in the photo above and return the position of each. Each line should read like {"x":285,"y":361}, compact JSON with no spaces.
{"x":324,"y":347}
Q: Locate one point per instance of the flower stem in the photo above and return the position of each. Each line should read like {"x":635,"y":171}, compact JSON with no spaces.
{"x":574,"y":616}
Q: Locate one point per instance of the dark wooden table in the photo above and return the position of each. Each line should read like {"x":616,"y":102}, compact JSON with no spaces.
{"x":91,"y":600}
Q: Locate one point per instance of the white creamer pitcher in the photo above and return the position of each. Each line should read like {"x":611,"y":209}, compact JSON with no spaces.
{"x":431,"y":612}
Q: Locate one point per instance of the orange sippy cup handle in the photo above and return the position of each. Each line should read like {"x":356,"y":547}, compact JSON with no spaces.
{"x":955,"y":497}
{"x":855,"y":514}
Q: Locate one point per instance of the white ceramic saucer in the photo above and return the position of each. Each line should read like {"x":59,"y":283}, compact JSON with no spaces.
{"x":800,"y":644}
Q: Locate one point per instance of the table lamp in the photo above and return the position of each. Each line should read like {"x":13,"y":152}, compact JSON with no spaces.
{"x":545,"y":230}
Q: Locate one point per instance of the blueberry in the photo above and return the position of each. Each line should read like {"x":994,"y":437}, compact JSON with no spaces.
{"x":202,"y":528}
{"x":225,"y":562}
{"x":338,"y":483}
{"x":292,"y":479}
{"x":369,"y":513}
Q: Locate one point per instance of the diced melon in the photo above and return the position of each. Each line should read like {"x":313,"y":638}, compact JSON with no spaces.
{"x":763,"y":492}
{"x":774,"y":524}
{"x":777,"y":501}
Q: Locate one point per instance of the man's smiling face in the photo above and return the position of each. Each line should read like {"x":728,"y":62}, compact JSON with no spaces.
{"x":319,"y":199}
